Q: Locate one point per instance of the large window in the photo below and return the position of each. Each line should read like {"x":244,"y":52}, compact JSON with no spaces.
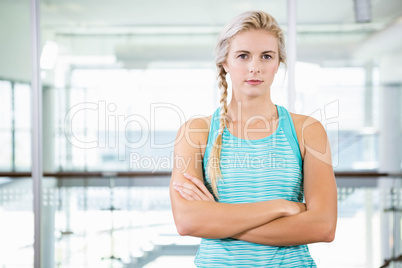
{"x":15,"y":126}
{"x":347,"y":106}
{"x":128,"y":119}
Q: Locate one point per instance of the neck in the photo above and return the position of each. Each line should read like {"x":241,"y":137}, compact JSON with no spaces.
{"x":243,"y":111}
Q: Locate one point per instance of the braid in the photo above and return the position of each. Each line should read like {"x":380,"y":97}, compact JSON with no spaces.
{"x":223,"y":86}
{"x":257,"y":20}
{"x":214,"y":170}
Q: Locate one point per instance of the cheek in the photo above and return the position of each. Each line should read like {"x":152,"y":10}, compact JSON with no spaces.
{"x":273,"y":68}
{"x":271,"y":71}
{"x":238,"y":69}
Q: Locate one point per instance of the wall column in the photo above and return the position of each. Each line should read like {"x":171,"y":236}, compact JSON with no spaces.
{"x":291,"y":55}
{"x":390,"y":154}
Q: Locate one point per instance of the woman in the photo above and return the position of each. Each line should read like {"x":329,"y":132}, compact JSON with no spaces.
{"x":240,"y":175}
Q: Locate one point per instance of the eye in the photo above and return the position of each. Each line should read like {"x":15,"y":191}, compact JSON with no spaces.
{"x":243,"y":56}
{"x":266,"y":57}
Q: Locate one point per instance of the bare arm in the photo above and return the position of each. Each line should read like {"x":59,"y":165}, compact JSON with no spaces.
{"x":318,"y":223}
{"x":212,"y":219}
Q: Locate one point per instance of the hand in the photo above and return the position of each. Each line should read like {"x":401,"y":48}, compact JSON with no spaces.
{"x":296,"y":208}
{"x":193,"y":191}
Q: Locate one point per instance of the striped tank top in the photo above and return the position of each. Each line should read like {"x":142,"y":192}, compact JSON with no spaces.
{"x":253,"y":171}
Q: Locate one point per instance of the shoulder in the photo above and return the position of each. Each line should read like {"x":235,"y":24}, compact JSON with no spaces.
{"x":304,"y":121}
{"x":201,"y":123}
{"x":310,"y":132}
{"x":197,"y":125}
{"x":196,"y":129}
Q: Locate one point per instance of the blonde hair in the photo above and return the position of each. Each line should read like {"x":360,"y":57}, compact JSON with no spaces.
{"x":250,"y":20}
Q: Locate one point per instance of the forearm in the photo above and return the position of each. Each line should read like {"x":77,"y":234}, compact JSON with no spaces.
{"x":221,"y":220}
{"x":318,"y":223}
{"x":304,"y":228}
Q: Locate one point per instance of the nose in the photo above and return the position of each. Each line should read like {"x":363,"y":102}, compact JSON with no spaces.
{"x":254,"y":66}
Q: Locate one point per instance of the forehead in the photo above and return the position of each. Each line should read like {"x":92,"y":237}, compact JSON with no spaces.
{"x":254,"y":41}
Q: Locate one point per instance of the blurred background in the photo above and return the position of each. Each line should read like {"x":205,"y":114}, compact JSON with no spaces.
{"x":118,"y":78}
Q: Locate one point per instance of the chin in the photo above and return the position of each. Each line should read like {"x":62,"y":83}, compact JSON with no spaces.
{"x":255,"y":92}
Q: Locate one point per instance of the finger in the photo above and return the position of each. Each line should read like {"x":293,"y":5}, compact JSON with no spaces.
{"x":200,"y":185}
{"x":203,"y":188}
{"x":191,"y":193}
{"x":195,"y":190}
{"x":186,"y":196}
{"x":178,"y":188}
{"x":188,"y":189}
{"x":182,"y":193}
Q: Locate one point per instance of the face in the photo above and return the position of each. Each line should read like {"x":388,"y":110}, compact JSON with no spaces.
{"x":252,"y":62}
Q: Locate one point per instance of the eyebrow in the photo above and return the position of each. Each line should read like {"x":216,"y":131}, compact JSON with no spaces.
{"x":264,"y":52}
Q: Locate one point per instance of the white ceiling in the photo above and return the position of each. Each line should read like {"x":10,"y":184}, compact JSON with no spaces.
{"x":91,"y":13}
{"x":140,"y":33}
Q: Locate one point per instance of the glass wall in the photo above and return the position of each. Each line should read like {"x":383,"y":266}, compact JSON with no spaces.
{"x":16,"y":210}
{"x":347,"y":107}
{"x":117,"y":119}
{"x":119,"y":78}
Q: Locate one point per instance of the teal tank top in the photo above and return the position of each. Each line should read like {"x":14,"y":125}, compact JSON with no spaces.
{"x":253,"y":171}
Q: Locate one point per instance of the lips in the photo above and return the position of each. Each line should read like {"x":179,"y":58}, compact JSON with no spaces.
{"x":254,"y":82}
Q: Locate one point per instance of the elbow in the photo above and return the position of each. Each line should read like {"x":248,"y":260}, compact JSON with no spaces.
{"x":330,"y":236}
{"x":182,"y":218}
{"x":183,"y":229}
{"x":183,"y":225}
{"x":327,"y":233}
{"x":323,"y":227}
{"x":188,"y":222}
{"x":186,"y":226}
{"x":327,"y":236}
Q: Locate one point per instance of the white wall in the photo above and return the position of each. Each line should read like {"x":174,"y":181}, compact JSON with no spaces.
{"x":15,"y":39}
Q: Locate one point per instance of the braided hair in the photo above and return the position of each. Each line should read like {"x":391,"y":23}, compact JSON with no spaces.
{"x":250,"y":20}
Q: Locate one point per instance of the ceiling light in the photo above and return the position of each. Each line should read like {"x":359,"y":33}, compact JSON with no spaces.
{"x":49,"y":55}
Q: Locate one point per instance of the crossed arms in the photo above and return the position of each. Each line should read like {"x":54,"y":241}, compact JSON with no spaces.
{"x":274,"y":222}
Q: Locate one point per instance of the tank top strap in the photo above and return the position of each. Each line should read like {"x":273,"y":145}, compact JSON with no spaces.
{"x":290,"y":132}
